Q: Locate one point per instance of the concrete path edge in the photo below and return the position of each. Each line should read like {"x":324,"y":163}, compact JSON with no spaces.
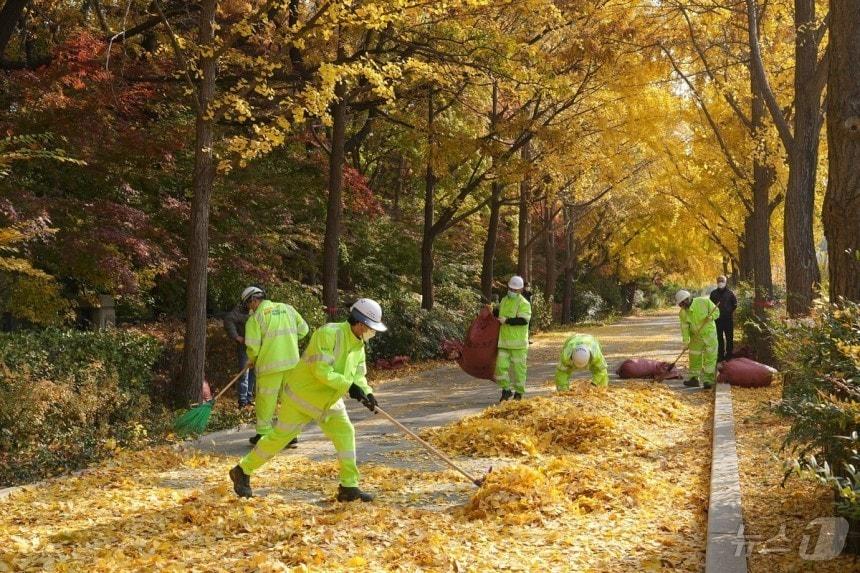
{"x":726,"y":550}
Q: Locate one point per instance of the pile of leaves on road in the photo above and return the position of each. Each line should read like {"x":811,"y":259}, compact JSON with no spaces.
{"x":581,"y":420}
{"x":565,"y":505}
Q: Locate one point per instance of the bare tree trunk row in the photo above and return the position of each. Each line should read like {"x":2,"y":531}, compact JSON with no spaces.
{"x":842,"y":200}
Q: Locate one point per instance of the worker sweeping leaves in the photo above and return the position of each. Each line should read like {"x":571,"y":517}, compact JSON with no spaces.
{"x":579,"y":352}
{"x":514,"y":312}
{"x":332,"y":366}
{"x":272,"y":336}
{"x":699,"y":332}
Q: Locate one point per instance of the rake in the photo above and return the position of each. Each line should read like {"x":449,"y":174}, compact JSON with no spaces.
{"x":195,"y":420}
{"x":477,"y":481}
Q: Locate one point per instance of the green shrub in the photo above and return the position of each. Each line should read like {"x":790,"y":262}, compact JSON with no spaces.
{"x":587,"y":305}
{"x":541,"y":312}
{"x":305,"y":299}
{"x":820,"y":361}
{"x":68,"y":398}
{"x":415,"y":332}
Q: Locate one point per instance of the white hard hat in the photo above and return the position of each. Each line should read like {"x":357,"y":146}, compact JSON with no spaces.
{"x":581,"y":356}
{"x":516,"y":282}
{"x":367,"y":311}
{"x":251,"y":292}
{"x":681,"y":296}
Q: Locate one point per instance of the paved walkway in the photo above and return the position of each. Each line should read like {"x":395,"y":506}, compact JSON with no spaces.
{"x":443,"y":395}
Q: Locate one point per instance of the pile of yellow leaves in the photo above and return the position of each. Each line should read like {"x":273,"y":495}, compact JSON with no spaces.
{"x":581,"y":420}
{"x":600,"y":507}
{"x":519,"y":494}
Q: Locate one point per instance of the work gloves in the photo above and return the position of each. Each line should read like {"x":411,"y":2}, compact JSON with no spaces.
{"x":356,"y":393}
{"x":368,"y":400}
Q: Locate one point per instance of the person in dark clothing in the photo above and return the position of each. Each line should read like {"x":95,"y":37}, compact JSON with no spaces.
{"x":727,"y":302}
{"x":527,"y":291}
{"x":234,"y":324}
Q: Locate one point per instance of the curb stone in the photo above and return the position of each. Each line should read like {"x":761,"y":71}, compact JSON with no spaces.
{"x":726,"y":552}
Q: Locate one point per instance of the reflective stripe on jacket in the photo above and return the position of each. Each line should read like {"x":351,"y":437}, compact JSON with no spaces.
{"x":272,"y":336}
{"x":514,"y":336}
{"x":698,"y":320}
{"x":332,"y":362}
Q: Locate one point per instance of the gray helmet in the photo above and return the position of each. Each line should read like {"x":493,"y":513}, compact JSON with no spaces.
{"x":367,"y":311}
{"x":252,"y":292}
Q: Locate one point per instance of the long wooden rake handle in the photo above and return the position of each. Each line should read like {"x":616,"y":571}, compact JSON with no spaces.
{"x":429,"y":447}
{"x":233,"y":381}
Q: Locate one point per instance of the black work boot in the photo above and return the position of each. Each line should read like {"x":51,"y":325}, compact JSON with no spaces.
{"x":293,"y":443}
{"x":692,"y":382}
{"x":254,"y":439}
{"x":352,"y":494}
{"x":241,"y":482}
{"x":518,"y":396}
{"x":506,"y":395}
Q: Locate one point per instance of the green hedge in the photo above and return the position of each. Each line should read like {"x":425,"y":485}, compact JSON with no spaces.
{"x":415,"y":332}
{"x":68,"y":398}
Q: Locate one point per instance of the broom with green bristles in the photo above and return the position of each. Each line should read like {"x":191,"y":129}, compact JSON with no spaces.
{"x":195,"y":420}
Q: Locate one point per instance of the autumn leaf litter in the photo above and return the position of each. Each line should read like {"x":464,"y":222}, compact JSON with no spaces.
{"x":586,"y":477}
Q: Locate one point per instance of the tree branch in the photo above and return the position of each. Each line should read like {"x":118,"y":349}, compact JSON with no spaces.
{"x":757,"y":68}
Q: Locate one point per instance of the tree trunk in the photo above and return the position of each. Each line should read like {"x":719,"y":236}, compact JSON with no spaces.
{"x":842,"y":200}
{"x":758,"y":231}
{"x":9,"y":17}
{"x":550,"y":253}
{"x":801,"y":267}
{"x":495,"y":204}
{"x":334,"y":209}
{"x":398,"y":187}
{"x":194,"y":354}
{"x":569,"y":266}
{"x":745,"y":251}
{"x":523,"y":247}
{"x":490,"y":243}
{"x":429,"y":234}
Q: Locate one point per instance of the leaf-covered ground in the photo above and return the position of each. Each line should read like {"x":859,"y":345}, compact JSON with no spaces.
{"x":777,"y":519}
{"x":629,"y":494}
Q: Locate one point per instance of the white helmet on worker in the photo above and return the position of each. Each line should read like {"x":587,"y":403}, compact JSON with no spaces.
{"x":516,"y":283}
{"x":581,"y":356}
{"x":682,"y":295}
{"x":368,"y":312}
{"x":252,"y":292}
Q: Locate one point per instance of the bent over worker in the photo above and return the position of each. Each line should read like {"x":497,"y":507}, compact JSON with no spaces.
{"x":272,"y":336}
{"x":332,"y":366}
{"x":698,"y":330}
{"x":514,"y":312}
{"x":581,"y":351}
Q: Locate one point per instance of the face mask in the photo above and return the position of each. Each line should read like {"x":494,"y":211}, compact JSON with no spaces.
{"x":512,"y":294}
{"x":367,"y":335}
{"x":721,"y":285}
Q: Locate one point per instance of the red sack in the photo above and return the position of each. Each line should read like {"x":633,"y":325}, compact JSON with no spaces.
{"x":745,"y":373}
{"x":478,"y":357}
{"x":645,"y":368}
